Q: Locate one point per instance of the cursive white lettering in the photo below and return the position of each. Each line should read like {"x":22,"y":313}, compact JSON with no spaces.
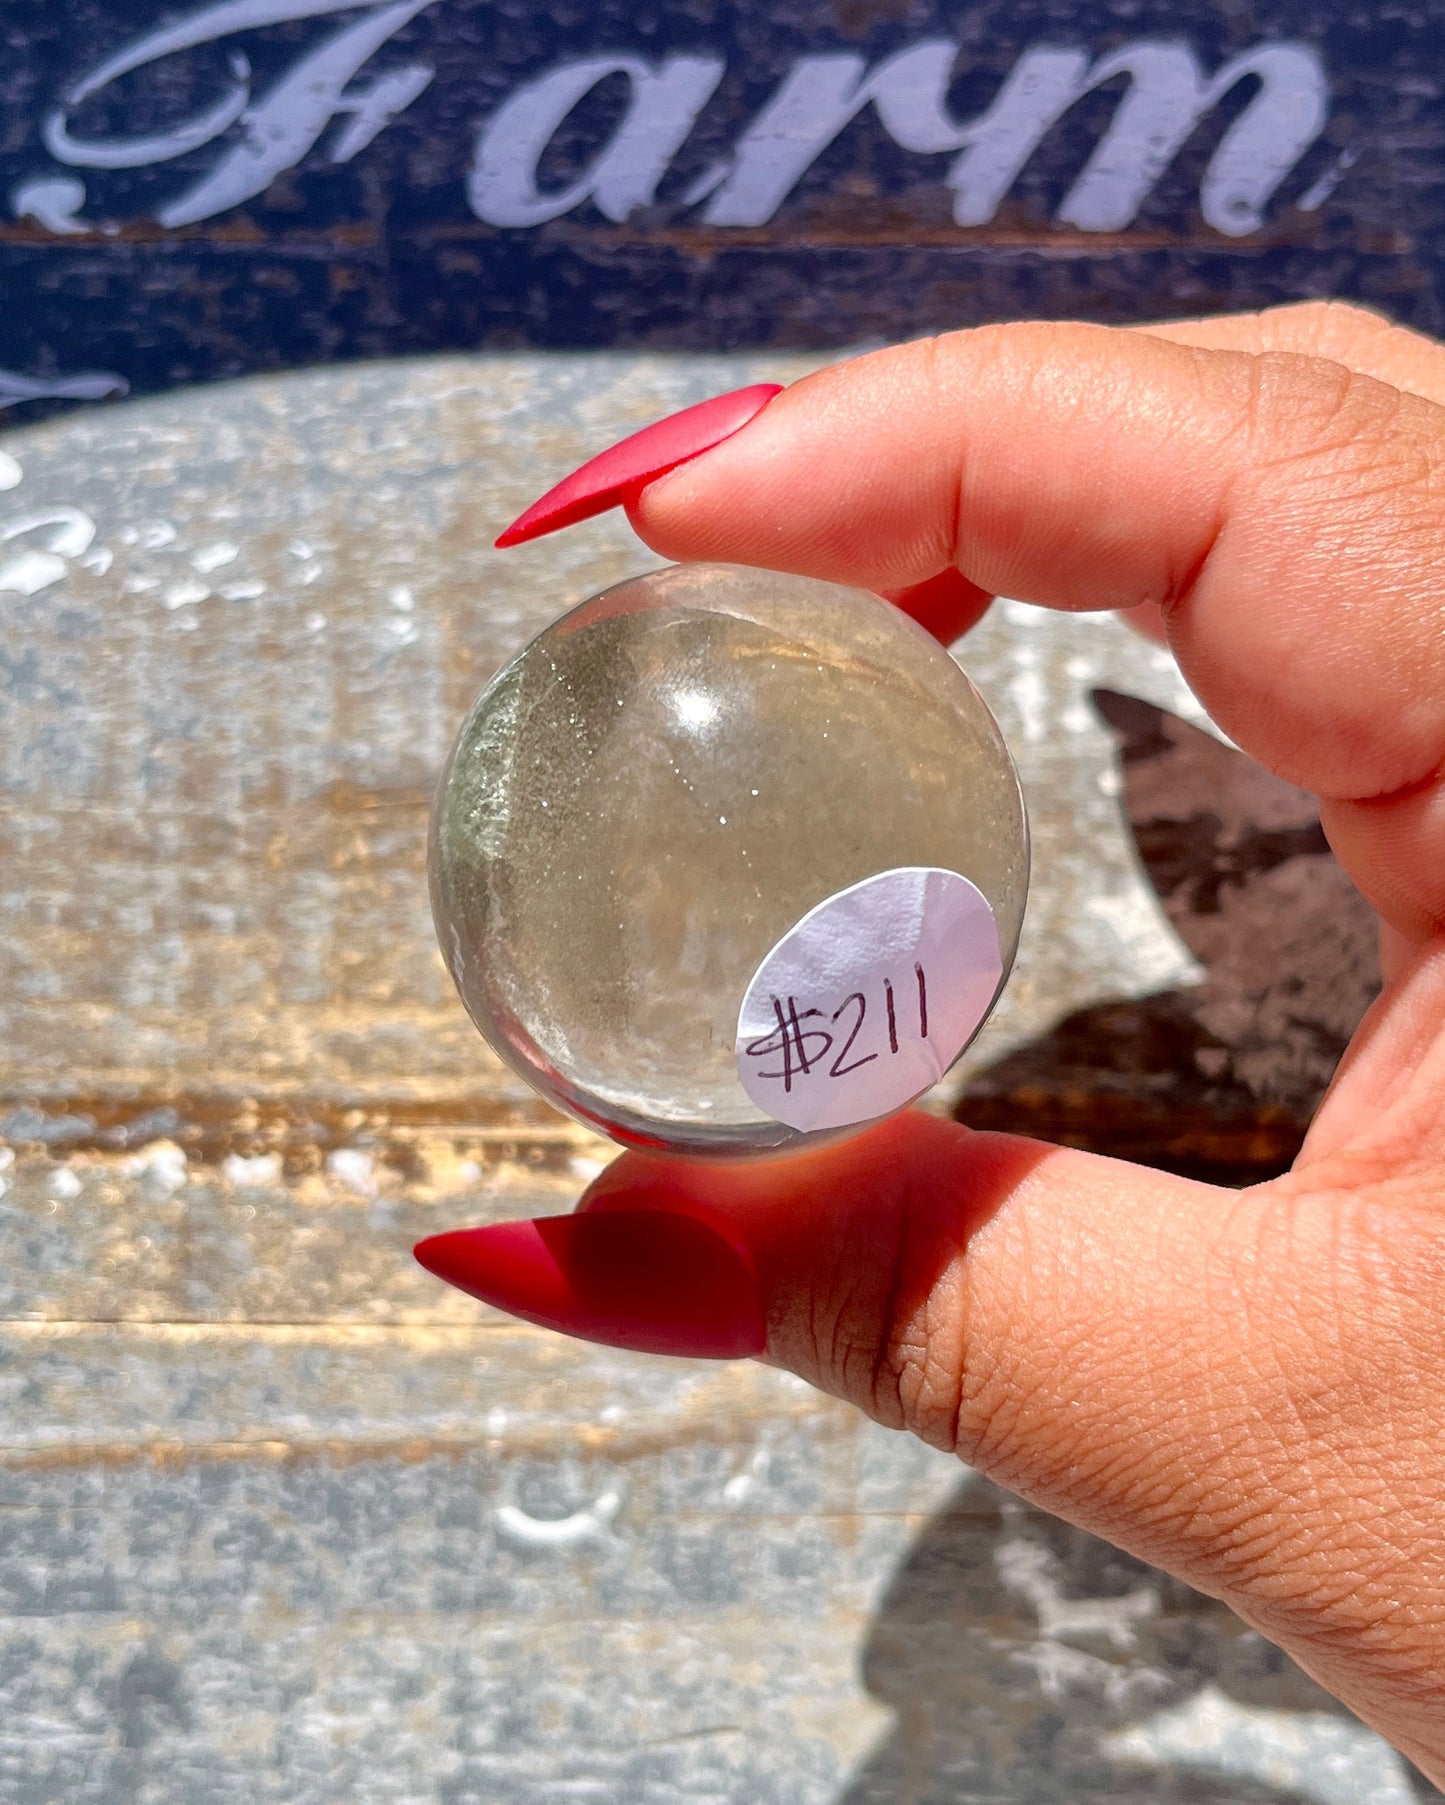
{"x":816,"y":100}
{"x":663,"y":108}
{"x":1168,"y":96}
{"x":259,"y":137}
{"x":280,"y":128}
{"x":208,"y":26}
{"x":1040,"y":88}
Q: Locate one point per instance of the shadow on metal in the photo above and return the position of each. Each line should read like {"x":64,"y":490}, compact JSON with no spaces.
{"x":1028,"y":1663}
{"x":1217,"y":1081}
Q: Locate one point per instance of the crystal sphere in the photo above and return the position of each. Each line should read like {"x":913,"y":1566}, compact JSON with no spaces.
{"x":711,"y":787}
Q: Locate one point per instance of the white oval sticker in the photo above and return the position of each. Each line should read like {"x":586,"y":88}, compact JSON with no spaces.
{"x":869,"y":999}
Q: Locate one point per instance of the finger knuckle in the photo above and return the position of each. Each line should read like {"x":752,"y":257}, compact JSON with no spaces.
{"x":1300,"y":403}
{"x":1318,"y":432}
{"x":885,"y":1325}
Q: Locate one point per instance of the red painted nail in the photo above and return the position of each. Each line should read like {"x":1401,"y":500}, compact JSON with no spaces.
{"x":652,"y":1280}
{"x":615,"y":474}
{"x":946,"y":605}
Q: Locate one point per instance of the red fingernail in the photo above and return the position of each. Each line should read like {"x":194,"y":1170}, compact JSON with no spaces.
{"x":946,"y":605}
{"x":650,"y":1280}
{"x":613,"y":475}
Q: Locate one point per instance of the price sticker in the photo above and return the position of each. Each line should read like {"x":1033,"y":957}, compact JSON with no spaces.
{"x":869,"y":999}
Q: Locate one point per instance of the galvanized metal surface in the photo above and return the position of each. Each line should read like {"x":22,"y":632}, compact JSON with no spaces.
{"x":280,"y":1519}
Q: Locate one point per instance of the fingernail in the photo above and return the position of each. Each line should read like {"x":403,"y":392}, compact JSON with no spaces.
{"x":654,"y":1281}
{"x":613,"y":475}
{"x":945,"y":606}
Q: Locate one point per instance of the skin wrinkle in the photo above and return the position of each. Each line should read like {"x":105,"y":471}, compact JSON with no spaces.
{"x":992,"y":1397}
{"x":933,"y":1354}
{"x":1345,"y":1309}
{"x":978,"y":1418}
{"x":1181,"y":580}
{"x":1353,"y":543}
{"x":1253,"y":1538}
{"x":953,"y":1387}
{"x":1351,"y":428}
{"x":1322,"y":1451}
{"x":1270,"y":1459}
{"x":784,"y":1333}
{"x":1310,"y":1625}
{"x":859,"y":1327}
{"x":952,"y":524}
{"x":1083,"y":1445}
{"x":929,"y":1394}
{"x":1325,"y":416}
{"x":887,"y":1363}
{"x":845,"y":1346}
{"x":922,"y":1288}
{"x":1344,"y":332}
{"x":1184,"y":583}
{"x":1314,"y":407}
{"x":1063,"y":396}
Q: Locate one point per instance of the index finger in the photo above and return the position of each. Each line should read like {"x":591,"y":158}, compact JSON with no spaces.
{"x":1287,"y":513}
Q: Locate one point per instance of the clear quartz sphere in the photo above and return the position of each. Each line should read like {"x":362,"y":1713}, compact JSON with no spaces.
{"x":657,"y":789}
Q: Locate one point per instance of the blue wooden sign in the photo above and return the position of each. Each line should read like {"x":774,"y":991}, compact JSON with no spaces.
{"x":194,"y":192}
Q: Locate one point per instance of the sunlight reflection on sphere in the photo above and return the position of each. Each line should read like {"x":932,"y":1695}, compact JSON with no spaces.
{"x":659,"y":788}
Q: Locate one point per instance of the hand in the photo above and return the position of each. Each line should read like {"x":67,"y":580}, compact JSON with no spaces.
{"x":1245,"y":1388}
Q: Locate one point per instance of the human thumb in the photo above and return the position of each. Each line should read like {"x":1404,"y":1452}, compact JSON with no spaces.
{"x":1057,"y":1319}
